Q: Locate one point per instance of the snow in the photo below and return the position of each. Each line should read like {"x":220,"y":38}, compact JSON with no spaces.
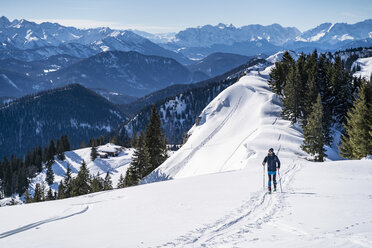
{"x":248,"y":130}
{"x":366,"y":67}
{"x":116,"y":165}
{"x":278,"y":56}
{"x":216,"y":197}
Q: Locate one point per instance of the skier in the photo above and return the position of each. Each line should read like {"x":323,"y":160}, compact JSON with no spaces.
{"x":273,"y":164}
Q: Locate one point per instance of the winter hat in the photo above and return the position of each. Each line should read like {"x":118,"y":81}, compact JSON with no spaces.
{"x":271,"y":150}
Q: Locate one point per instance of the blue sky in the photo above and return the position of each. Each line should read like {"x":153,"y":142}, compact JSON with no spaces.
{"x":174,"y":15}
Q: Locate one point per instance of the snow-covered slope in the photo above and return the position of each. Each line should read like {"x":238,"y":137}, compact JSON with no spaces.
{"x":365,"y":66}
{"x":322,"y":204}
{"x":278,"y":56}
{"x":115,"y":165}
{"x":237,"y":127}
{"x":338,"y":32}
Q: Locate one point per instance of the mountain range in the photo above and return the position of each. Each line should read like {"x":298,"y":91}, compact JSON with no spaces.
{"x":122,"y":64}
{"x":200,"y":41}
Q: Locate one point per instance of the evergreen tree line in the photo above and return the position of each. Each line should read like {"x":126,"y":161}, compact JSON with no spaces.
{"x":318,"y":93}
{"x":16,"y":172}
{"x":83,"y":183}
{"x":150,"y":152}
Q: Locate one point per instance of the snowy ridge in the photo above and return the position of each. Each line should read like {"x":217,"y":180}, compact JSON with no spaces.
{"x":278,"y":56}
{"x":236,"y":133}
{"x":365,"y":66}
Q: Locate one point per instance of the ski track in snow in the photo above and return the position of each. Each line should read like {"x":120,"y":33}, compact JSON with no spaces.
{"x":39,"y":223}
{"x":233,"y":228}
{"x":177,"y":168}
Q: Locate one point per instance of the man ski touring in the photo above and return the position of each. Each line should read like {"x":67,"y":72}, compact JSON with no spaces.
{"x":273,"y":164}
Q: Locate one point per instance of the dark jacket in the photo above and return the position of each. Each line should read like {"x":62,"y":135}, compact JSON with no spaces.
{"x":272,"y":160}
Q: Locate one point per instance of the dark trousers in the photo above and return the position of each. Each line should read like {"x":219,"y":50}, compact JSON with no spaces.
{"x":272,"y":174}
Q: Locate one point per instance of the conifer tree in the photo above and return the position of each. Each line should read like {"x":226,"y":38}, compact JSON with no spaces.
{"x":277,"y":79}
{"x":81,"y":184}
{"x":50,"y":195}
{"x":107,"y":183}
{"x":28,"y":198}
{"x":49,"y":173}
{"x":97,"y":183}
{"x":22,"y":184}
{"x":66,"y":143}
{"x":67,"y":182}
{"x":341,"y":91}
{"x":292,"y":97}
{"x":155,"y":141}
{"x":38,"y":160}
{"x":93,"y":153}
{"x":61,"y":190}
{"x":51,"y":151}
{"x":278,"y":75}
{"x":311,"y":84}
{"x":121,"y":183}
{"x":325,"y":93}
{"x":313,"y":132}
{"x":131,"y":177}
{"x":60,"y":150}
{"x":38,"y":194}
{"x":141,"y":159}
{"x":357,"y":142}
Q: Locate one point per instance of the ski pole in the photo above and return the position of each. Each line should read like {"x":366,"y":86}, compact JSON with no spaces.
{"x":263,"y":167}
{"x":280,"y":181}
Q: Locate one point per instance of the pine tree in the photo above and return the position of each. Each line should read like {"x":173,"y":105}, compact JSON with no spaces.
{"x":107,"y":184}
{"x":277,"y":79}
{"x":340,"y":85}
{"x":155,"y":141}
{"x":131,"y":177}
{"x":357,"y":142}
{"x":22,"y":184}
{"x":49,"y":173}
{"x":313,"y":132}
{"x":278,"y":75}
{"x":67,"y":182}
{"x":311,"y":84}
{"x":38,"y":160}
{"x":81,"y":184}
{"x":28,"y":198}
{"x":292,"y":96}
{"x":325,"y":93}
{"x":60,"y":150}
{"x":51,"y":151}
{"x":93,"y":153}
{"x":50,"y":195}
{"x":61,"y":190}
{"x":121,"y":183}
{"x":66,"y":143}
{"x":97,"y":183}
{"x":141,"y":159}
{"x":82,"y":144}
{"x":38,"y":194}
